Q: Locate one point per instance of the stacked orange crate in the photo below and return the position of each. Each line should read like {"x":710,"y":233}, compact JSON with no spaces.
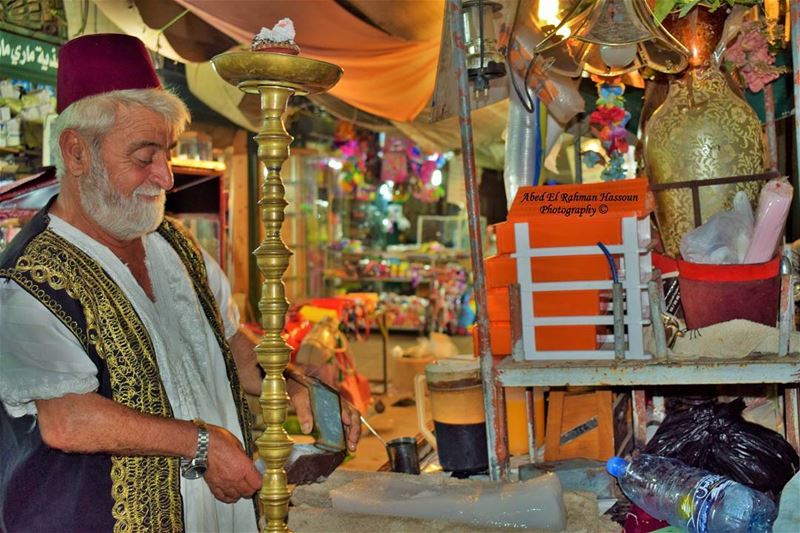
{"x":562,"y":215}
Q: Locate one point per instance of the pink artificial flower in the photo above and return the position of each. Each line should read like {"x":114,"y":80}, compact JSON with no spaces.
{"x":735,"y":54}
{"x":756,"y":79}
{"x":753,"y":40}
{"x":750,"y":52}
{"x":762,"y":55}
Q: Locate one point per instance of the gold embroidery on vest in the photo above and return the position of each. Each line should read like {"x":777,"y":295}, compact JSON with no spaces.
{"x":29,"y":284}
{"x":145,"y":490}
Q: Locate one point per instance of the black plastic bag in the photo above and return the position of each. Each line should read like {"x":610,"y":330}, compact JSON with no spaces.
{"x":714,"y":436}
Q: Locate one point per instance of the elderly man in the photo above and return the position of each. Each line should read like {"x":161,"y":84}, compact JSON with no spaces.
{"x":123,"y":399}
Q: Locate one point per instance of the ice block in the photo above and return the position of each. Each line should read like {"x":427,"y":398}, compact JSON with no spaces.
{"x":536,"y":503}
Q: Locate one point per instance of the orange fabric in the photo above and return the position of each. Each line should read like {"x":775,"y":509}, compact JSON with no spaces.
{"x":384,"y":75}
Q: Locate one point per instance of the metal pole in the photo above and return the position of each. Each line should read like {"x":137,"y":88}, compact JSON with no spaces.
{"x":772,"y":137}
{"x":795,"y":42}
{"x":577,"y":149}
{"x":493,"y":402}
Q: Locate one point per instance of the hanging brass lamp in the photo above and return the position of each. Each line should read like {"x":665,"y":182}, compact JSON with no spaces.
{"x":607,"y":38}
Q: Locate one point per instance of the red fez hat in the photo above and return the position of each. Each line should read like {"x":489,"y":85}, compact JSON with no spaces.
{"x":100,"y":63}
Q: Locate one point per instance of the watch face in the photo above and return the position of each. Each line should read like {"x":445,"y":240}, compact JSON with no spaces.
{"x":194,"y":470}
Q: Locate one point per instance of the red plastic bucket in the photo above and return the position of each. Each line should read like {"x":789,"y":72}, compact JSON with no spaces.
{"x":711,"y":294}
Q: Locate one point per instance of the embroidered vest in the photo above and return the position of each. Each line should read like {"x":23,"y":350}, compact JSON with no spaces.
{"x":45,"y":489}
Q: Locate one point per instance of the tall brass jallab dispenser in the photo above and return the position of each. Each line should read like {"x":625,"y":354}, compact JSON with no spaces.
{"x":275,"y":78}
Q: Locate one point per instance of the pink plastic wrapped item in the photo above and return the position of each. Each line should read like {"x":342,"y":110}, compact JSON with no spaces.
{"x":773,"y":208}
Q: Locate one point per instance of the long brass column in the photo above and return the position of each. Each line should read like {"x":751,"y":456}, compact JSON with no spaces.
{"x":275,"y":78}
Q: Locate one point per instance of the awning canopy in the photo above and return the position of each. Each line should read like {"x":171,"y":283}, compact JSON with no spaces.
{"x":387,"y":75}
{"x":389,"y":52}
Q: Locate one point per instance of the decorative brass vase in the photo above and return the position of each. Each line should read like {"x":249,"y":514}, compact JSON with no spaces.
{"x":275,"y":77}
{"x":703,"y":130}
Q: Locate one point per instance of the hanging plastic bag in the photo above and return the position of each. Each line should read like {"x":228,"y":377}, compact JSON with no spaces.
{"x":724,"y":239}
{"x":715,"y":437}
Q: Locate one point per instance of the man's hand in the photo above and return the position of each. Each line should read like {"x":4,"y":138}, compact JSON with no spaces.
{"x":351,"y":419}
{"x":242,"y":345}
{"x":298,"y":394}
{"x":231,"y":474}
{"x":90,"y":423}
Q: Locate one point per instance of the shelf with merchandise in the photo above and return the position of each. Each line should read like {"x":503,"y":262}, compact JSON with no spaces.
{"x":197,"y":199}
{"x":433,"y":284}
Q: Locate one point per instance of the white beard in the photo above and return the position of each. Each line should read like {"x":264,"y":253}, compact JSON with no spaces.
{"x":124,"y":218}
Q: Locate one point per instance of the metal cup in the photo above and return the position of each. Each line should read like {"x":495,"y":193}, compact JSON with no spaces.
{"x":403,"y":455}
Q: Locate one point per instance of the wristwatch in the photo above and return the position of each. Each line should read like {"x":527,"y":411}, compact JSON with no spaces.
{"x":196,"y":468}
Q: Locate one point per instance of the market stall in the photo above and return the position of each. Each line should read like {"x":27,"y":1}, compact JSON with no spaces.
{"x":561,"y":359}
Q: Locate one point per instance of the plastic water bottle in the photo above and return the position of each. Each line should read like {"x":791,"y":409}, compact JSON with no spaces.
{"x":691,"y":498}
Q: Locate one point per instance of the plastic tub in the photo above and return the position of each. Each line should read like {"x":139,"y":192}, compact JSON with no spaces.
{"x":711,"y":294}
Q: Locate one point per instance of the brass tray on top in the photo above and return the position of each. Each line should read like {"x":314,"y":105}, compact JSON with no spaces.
{"x":249,"y":70}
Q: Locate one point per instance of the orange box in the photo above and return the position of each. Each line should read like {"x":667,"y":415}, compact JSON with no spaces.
{"x":501,"y":270}
{"x":498,"y":304}
{"x":499,"y":338}
{"x":574,"y":215}
{"x":553,"y":338}
{"x":615,"y":199}
{"x":548,"y":338}
{"x":559,"y":216}
{"x":504,"y":238}
{"x":560,"y":233}
{"x":570,"y":268}
{"x":561,"y":303}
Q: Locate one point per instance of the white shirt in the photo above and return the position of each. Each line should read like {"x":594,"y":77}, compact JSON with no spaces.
{"x":41,"y":359}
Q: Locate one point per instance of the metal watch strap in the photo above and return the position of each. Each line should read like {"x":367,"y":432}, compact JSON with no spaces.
{"x":201,"y":453}
{"x":196,"y":468}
